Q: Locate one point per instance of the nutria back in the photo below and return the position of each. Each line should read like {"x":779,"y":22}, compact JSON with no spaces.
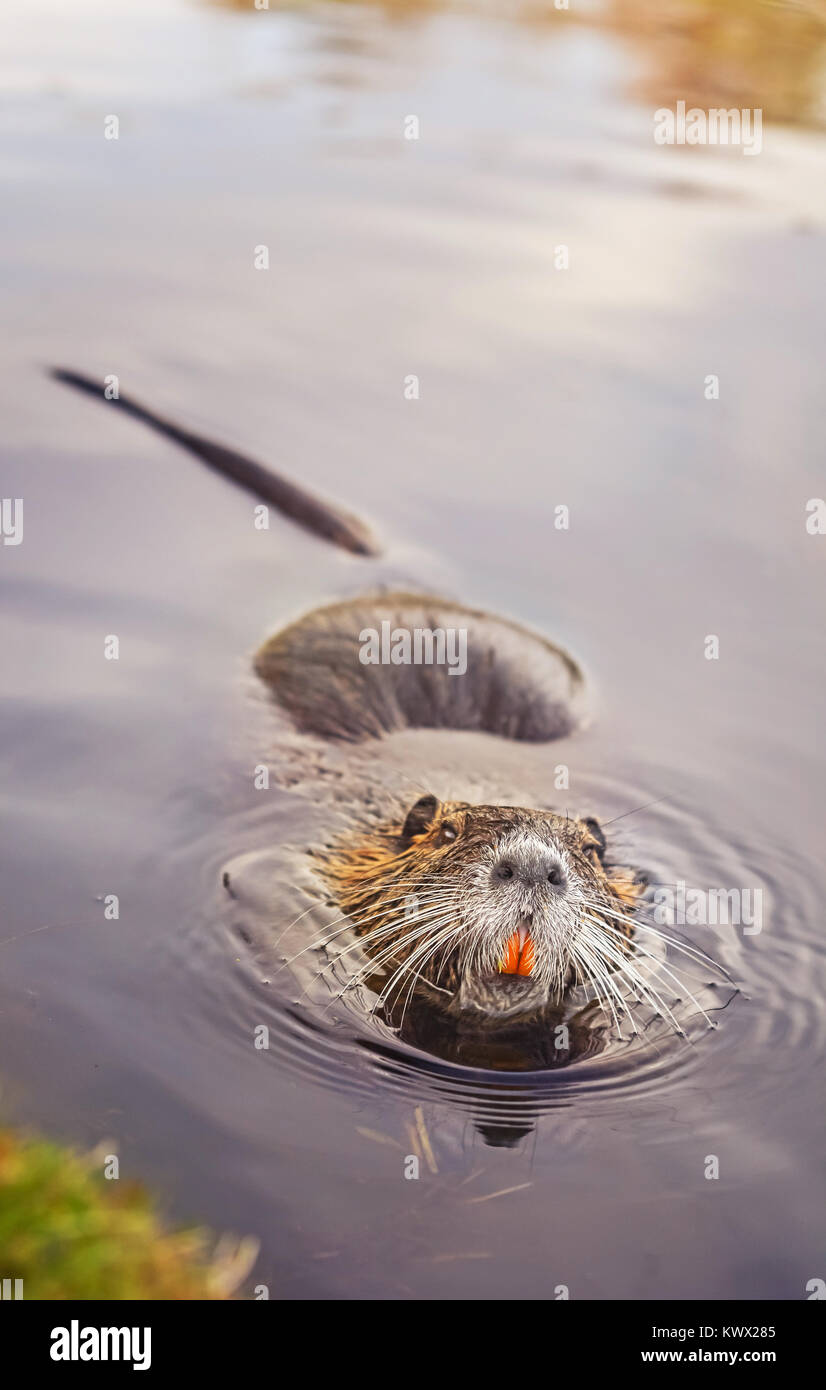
{"x":383,"y":663}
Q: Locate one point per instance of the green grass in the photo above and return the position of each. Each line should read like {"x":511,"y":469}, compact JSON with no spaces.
{"x":68,"y":1233}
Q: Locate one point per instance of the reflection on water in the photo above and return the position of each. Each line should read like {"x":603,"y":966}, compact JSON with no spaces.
{"x":722,"y":53}
{"x":526,"y":1049}
{"x":709,"y":53}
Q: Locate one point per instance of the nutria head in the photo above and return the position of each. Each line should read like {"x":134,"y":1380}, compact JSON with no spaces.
{"x":494,"y":910}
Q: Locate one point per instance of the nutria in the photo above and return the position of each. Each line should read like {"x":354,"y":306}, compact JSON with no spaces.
{"x":493,"y":910}
{"x":485,"y":912}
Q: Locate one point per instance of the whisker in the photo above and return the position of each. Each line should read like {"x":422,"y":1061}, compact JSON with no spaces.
{"x":427,"y":923}
{"x":641,"y":925}
{"x":625,"y":964}
{"x":376,"y":962}
{"x":445,"y":933}
{"x":641,"y":986}
{"x":662,"y":966}
{"x":350,"y":923}
{"x":596,"y":973}
{"x":644,"y":807}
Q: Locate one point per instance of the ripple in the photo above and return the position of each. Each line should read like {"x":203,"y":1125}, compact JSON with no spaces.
{"x":272,"y":919}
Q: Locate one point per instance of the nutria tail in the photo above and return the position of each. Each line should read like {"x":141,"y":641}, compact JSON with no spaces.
{"x":315,"y":515}
{"x":378,"y":664}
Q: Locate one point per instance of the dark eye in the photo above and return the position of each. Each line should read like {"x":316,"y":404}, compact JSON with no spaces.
{"x":446,"y":834}
{"x":591,"y":852}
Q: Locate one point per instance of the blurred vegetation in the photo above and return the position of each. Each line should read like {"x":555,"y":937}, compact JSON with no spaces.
{"x":68,"y":1233}
{"x":769,"y":54}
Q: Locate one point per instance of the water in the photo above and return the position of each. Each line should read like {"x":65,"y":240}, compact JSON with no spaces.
{"x":539,"y":387}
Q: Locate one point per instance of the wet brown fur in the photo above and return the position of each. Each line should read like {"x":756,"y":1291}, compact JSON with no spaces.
{"x":373,"y":870}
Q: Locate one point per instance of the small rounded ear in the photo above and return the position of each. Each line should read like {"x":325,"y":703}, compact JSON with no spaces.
{"x":596,"y":830}
{"x":420,"y":817}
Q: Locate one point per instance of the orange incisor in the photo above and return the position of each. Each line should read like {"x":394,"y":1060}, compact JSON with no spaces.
{"x":518,"y":957}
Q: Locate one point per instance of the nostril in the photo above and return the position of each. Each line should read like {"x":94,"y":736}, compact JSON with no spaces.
{"x":504,"y":871}
{"x":556,"y":876}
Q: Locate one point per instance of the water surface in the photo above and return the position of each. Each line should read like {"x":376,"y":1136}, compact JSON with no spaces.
{"x":539,"y":387}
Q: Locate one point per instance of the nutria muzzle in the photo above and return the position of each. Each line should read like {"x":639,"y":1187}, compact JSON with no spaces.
{"x":511,"y":994}
{"x":490,"y":912}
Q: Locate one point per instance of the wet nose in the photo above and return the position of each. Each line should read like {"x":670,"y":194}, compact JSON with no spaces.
{"x":531,"y":870}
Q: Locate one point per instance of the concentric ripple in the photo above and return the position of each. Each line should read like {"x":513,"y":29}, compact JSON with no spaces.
{"x":295,"y":960}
